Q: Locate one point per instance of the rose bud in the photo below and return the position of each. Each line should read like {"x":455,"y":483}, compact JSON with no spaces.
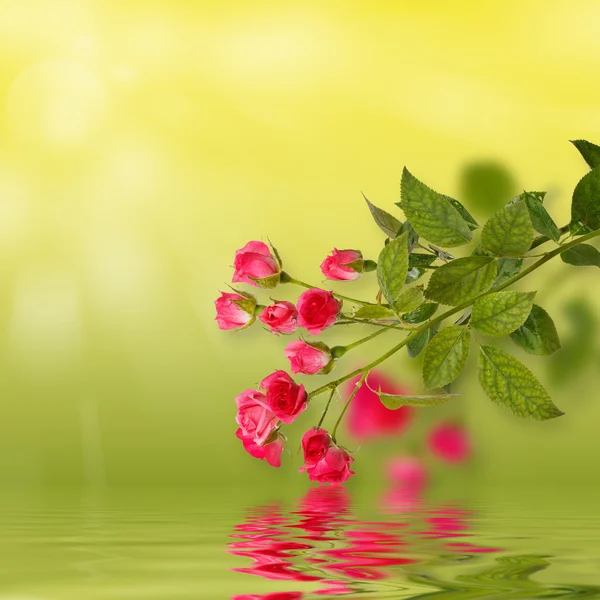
{"x":254,"y":264}
{"x":285,"y":398}
{"x":450,"y":442}
{"x":235,"y":311}
{"x":334,"y":467}
{"x":270,"y":452}
{"x":317,"y":310}
{"x":256,"y":421}
{"x":343,"y":265}
{"x":309,"y":358}
{"x":315,"y":443}
{"x":281,"y":317}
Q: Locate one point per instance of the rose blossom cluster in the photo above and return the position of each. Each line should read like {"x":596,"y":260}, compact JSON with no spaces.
{"x":279,"y":398}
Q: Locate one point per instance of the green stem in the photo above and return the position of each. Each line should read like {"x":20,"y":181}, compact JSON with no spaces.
{"x":536,"y":265}
{"x":326,"y":408}
{"x":351,"y":321}
{"x":356,"y":388}
{"x":365,"y":339}
{"x":542,"y":239}
{"x":287,"y":278}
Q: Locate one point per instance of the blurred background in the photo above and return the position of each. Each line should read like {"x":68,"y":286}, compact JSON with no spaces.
{"x":144,"y":142}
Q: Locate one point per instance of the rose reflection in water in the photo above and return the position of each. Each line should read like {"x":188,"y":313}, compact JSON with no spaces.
{"x":321,"y":541}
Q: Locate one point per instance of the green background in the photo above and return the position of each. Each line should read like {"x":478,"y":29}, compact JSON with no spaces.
{"x":143,"y":143}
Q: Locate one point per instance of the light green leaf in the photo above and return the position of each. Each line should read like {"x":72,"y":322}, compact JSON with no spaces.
{"x":502,"y":312}
{"x":507,"y":269}
{"x":386,"y":222}
{"x":508,"y":232}
{"x":392,"y":268}
{"x":538,"y":334}
{"x":420,"y":314}
{"x":583,"y":255}
{"x":374,"y":311}
{"x":462,"y":279}
{"x":464,"y":213}
{"x":409,"y":300}
{"x":511,"y":384}
{"x":445,"y":356}
{"x":589,"y":151}
{"x":540,"y":219}
{"x":585,"y":208}
{"x":431,"y":214}
{"x":394,"y":402}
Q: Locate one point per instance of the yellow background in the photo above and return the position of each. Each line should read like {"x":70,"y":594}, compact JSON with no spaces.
{"x":144,"y":142}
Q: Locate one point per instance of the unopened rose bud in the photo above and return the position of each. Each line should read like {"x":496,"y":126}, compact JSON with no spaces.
{"x":256,"y":265}
{"x":235,"y":311}
{"x":343,"y":265}
{"x":309,"y":358}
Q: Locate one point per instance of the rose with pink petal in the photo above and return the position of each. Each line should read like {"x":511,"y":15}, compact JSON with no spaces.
{"x":284,"y":397}
{"x":317,"y":310}
{"x":408,"y":473}
{"x":235,"y":311}
{"x":450,"y":442}
{"x":309,"y":359}
{"x":343,"y":265}
{"x":280,"y":317}
{"x":315,"y":444}
{"x":256,"y":421}
{"x":254,"y":264}
{"x":270,"y":452}
{"x":334,"y":467}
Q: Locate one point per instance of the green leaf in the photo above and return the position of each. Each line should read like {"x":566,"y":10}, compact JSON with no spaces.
{"x":511,"y":384}
{"x":418,"y":343}
{"x":412,"y":237}
{"x":386,"y":222}
{"x":538,"y":334}
{"x":462,"y":279}
{"x":417,"y":264}
{"x":502,"y":312}
{"x":393,"y":402}
{"x":431,"y":214}
{"x":507,"y":269}
{"x":585,"y":208}
{"x":374,"y":311}
{"x":589,"y":151}
{"x":445,"y":356}
{"x":540,"y":219}
{"x":424,"y":312}
{"x":409,"y":300}
{"x":392,"y":268}
{"x":464,"y":213}
{"x":583,"y":255}
{"x":509,"y":231}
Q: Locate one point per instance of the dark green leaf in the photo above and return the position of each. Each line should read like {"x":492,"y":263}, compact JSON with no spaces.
{"x":462,"y":279}
{"x":386,"y":222}
{"x":540,"y":219}
{"x":412,"y":237}
{"x":431,"y":214}
{"x":394,"y":402}
{"x":502,"y":312}
{"x":445,"y":356}
{"x":538,"y":334}
{"x":424,"y":312}
{"x":421,"y":260}
{"x":507,"y":269}
{"x":374,"y":311}
{"x":589,"y":151}
{"x":509,"y":231}
{"x":392,"y":268}
{"x":583,"y":255}
{"x":464,"y":213}
{"x":511,"y":384}
{"x":409,"y":300}
{"x":418,"y":343}
{"x":585,"y":208}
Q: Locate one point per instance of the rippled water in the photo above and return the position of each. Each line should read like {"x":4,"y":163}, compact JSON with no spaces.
{"x":322,"y":544}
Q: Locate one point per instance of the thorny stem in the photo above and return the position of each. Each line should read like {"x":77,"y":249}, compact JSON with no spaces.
{"x":536,"y":265}
{"x":326,"y":408}
{"x":287,"y":278}
{"x":339,"y":420}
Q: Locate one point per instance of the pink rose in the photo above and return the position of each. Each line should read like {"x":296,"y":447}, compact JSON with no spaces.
{"x":343,"y":265}
{"x":450,"y":442}
{"x":273,"y":596}
{"x":285,"y":398}
{"x":317,"y":310}
{"x":280,"y":317}
{"x":315,"y":443}
{"x":367,"y":416}
{"x":410,"y":474}
{"x":270,"y":452}
{"x":256,"y":421}
{"x":254,"y":264}
{"x":334,"y":467}
{"x":234,"y":311}
{"x":308,"y":358}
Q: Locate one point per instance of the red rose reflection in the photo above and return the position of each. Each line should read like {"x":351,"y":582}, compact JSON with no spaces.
{"x":367,"y":417}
